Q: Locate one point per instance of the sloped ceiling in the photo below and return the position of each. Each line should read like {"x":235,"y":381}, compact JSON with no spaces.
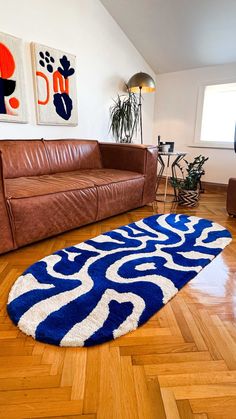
{"x":176,"y":35}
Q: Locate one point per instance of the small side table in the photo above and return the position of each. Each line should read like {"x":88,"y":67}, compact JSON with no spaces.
{"x":165,"y":165}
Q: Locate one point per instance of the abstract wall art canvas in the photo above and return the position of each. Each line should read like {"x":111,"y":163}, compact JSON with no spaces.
{"x":55,"y":86}
{"x":12,"y":80}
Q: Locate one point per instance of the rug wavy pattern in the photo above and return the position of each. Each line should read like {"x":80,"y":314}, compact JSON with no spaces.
{"x":105,"y":287}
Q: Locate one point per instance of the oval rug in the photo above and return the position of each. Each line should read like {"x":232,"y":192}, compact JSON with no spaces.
{"x":105,"y":287}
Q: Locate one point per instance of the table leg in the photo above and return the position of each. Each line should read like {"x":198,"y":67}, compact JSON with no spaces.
{"x":160,"y":173}
{"x":166,"y":168}
{"x":167,"y":177}
{"x":174,"y":172}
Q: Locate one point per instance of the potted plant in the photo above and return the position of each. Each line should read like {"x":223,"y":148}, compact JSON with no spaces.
{"x":124,"y":117}
{"x":188,"y":186}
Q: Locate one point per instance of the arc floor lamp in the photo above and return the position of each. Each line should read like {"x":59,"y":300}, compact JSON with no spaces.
{"x":141,"y":83}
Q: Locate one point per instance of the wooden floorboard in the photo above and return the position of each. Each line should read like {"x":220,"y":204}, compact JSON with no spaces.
{"x":180,"y":364}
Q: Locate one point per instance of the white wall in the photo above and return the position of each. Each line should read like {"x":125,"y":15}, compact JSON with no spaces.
{"x":175,"y":115}
{"x":105,"y":59}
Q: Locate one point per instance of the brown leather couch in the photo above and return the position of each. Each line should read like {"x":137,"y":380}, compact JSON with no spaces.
{"x":231,"y":197}
{"x":47,"y":187}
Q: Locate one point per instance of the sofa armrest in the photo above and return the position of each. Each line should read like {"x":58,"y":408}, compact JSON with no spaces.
{"x":231,"y":197}
{"x":6,"y":240}
{"x":131,"y":157}
{"x":139,"y":158}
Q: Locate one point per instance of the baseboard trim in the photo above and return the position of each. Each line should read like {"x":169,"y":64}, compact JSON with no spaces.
{"x":217,"y":187}
{"x":209,"y":186}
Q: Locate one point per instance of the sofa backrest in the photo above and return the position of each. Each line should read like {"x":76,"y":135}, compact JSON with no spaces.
{"x":68,"y":155}
{"x":24,"y":158}
{"x":39,"y":157}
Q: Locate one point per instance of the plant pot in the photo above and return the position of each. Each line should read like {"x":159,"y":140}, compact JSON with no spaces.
{"x":126,"y":140}
{"x":188,"y":198}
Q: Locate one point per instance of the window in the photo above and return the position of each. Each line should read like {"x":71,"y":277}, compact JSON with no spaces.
{"x":216,"y":119}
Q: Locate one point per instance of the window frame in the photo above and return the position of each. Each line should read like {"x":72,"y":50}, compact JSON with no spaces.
{"x":198,"y":122}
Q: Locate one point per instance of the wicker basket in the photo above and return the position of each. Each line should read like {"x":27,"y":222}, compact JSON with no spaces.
{"x":188,"y":198}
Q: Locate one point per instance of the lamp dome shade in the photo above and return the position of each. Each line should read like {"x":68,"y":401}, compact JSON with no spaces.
{"x":141,"y":81}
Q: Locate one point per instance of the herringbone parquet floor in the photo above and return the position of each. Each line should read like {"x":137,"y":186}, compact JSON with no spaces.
{"x":181,"y":364}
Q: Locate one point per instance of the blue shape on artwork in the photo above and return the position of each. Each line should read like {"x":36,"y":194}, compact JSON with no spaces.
{"x":50,"y":68}
{"x":63,"y":105}
{"x":65,"y":69}
{"x":7,"y":87}
{"x":45,"y":61}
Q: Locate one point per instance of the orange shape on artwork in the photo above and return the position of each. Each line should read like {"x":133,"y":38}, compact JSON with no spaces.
{"x":7,"y":63}
{"x":60,"y":84}
{"x":45,"y":101}
{"x":10,"y":111}
{"x":14,"y":103}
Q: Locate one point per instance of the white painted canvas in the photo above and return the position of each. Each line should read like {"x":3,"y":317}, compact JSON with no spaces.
{"x":12,"y":80}
{"x":55,"y":86}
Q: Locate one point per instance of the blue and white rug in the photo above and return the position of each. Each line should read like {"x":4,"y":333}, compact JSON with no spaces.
{"x":105,"y":287}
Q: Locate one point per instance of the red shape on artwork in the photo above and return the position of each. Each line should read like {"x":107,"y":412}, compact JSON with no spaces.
{"x":60,"y":84}
{"x":7,"y":63}
{"x":46,"y":100}
{"x":9,"y":111}
{"x":14,"y":103}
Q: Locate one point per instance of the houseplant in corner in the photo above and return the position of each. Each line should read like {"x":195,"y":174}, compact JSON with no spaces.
{"x":124,"y":115}
{"x":188,"y":185}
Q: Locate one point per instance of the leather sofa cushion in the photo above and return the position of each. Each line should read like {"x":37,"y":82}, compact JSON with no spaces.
{"x":118,"y":197}
{"x":107,"y":176}
{"x":37,"y":157}
{"x":59,"y":182}
{"x":43,"y":185}
{"x":24,"y":158}
{"x":68,"y":155}
{"x":38,"y":217}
